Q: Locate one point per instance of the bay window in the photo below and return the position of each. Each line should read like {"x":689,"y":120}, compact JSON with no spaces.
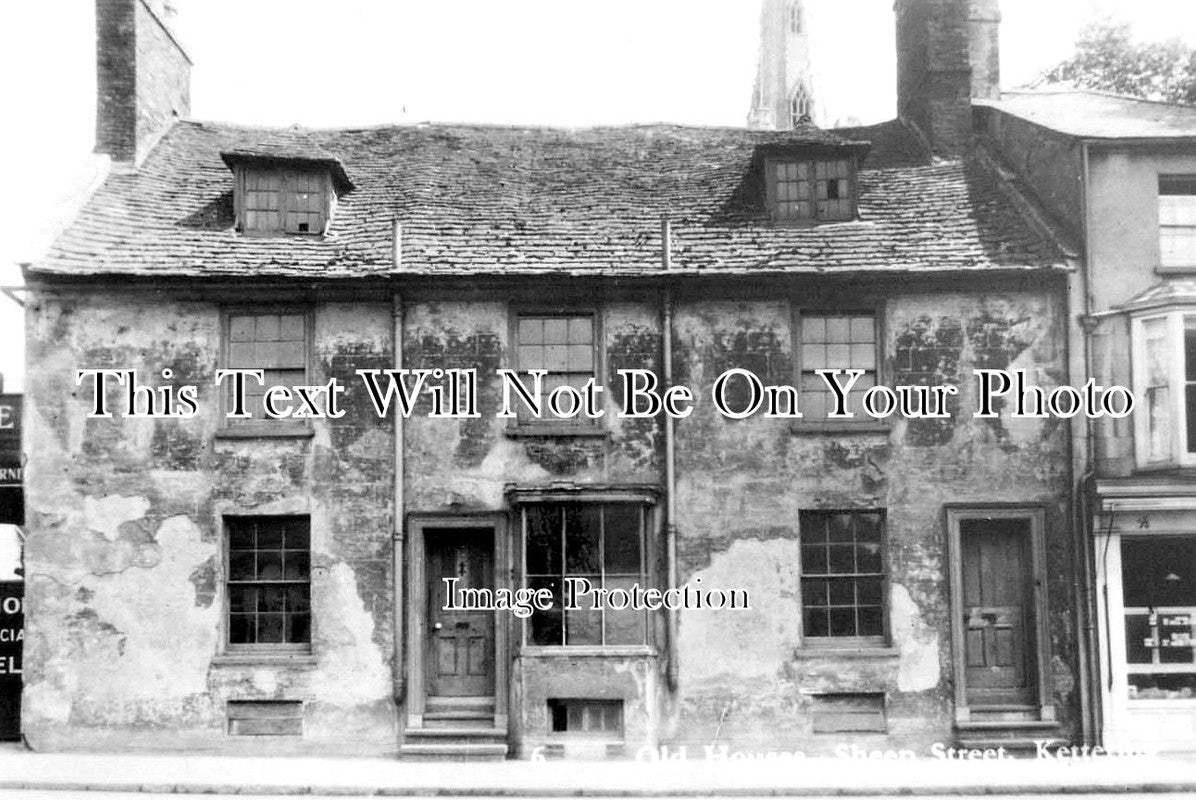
{"x":1165,"y":386}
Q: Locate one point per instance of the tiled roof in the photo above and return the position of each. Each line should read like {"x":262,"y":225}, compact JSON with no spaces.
{"x":504,"y":200}
{"x":1096,"y":115}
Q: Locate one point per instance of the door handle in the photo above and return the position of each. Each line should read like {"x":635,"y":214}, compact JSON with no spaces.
{"x":438,"y":626}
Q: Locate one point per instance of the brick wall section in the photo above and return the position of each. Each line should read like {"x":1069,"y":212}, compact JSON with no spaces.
{"x":143,"y":78}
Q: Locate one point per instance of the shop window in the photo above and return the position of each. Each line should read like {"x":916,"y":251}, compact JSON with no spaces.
{"x":276,"y":343}
{"x":842,"y":340}
{"x":1165,"y":385}
{"x":600,"y":543}
{"x":565,"y":346}
{"x":1158,"y":576}
{"x":842,"y":577}
{"x":1177,"y":221}
{"x":581,"y":717}
{"x":269,"y":582}
{"x":810,"y":189}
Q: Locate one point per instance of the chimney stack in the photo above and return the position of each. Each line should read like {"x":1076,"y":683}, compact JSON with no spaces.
{"x":947,"y":54}
{"x":143,"y":77}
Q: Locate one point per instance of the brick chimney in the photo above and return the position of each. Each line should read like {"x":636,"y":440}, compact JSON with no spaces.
{"x":143,"y":77}
{"x":947,"y":54}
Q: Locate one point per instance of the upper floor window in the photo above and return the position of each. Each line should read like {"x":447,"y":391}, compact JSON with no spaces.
{"x":1177,"y":220}
{"x":842,"y":576}
{"x":810,"y":189}
{"x":276,"y":342}
{"x":836,"y":340}
{"x":278,"y":200}
{"x":565,"y":345}
{"x":1164,"y":359}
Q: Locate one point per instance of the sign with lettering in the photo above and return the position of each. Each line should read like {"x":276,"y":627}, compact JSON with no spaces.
{"x":12,"y":462}
{"x":12,"y":640}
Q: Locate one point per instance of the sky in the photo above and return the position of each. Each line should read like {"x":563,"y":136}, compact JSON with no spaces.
{"x":542,"y":62}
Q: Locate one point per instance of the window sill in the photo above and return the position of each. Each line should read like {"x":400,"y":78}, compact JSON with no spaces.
{"x":808,"y":651}
{"x":1187,"y":269}
{"x":544,"y":431}
{"x":264,"y":659}
{"x":801,"y":427}
{"x":264,"y":433}
{"x":588,"y":651}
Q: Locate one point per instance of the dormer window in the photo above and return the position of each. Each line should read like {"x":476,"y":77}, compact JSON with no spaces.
{"x":810,"y":189}
{"x":283,"y":200}
{"x":286,"y":186}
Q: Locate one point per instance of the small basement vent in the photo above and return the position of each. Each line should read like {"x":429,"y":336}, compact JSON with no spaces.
{"x":599,"y":718}
{"x":265,"y":718}
{"x":849,"y":713}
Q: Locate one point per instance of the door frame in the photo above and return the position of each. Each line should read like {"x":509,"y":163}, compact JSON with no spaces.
{"x":482,"y":525}
{"x":1036,"y":515}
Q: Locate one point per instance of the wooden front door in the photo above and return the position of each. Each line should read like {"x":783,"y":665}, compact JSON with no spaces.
{"x":998,"y":612}
{"x":460,"y":657}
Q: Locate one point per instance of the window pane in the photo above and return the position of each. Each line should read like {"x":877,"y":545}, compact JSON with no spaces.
{"x":622,"y":546}
{"x":813,"y":560}
{"x":582,"y":529}
{"x":547,"y":627}
{"x":543,"y":540}
{"x":624,"y":626}
{"x":584,"y":626}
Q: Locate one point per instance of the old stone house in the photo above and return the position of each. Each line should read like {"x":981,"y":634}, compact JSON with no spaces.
{"x":207,"y":583}
{"x":1120,"y":176}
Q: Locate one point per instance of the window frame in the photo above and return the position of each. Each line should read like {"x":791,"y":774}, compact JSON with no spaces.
{"x":830,"y":642}
{"x":261,"y":426}
{"x":230,"y":648}
{"x":1165,"y":267}
{"x":1175,"y":317}
{"x":285,"y":172}
{"x":811,"y":159}
{"x":644,"y":496}
{"x":861,"y":422}
{"x":548,"y":424}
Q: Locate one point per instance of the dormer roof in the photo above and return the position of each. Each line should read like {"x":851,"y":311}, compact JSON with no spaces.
{"x":290,"y":146}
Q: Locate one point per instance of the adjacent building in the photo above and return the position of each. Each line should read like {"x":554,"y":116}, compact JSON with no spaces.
{"x":1120,"y":175}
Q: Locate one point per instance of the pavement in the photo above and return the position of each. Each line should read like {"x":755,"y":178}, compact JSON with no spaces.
{"x":23,"y":772}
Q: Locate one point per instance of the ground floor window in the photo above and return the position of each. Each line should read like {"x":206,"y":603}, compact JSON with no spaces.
{"x":586,"y":717}
{"x":1158,"y":575}
{"x":600,"y":543}
{"x":269,"y":582}
{"x":842,"y":575}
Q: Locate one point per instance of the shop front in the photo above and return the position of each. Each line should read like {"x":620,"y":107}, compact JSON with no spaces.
{"x":1145,"y":552}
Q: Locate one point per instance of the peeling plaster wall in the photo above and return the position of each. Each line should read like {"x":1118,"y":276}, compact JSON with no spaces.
{"x":126,"y":594}
{"x":124,"y":553}
{"x":745,"y":676}
{"x":462,"y":466}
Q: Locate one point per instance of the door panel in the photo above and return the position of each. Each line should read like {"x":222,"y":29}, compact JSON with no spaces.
{"x":461,"y":643}
{"x":998,"y":611}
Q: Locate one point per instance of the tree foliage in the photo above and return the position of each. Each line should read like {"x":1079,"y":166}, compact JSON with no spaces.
{"x":1108,"y":58}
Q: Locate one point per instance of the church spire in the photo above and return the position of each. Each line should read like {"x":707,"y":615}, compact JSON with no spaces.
{"x":784,"y":91}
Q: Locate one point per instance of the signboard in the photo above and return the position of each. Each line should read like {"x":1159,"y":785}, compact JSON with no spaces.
{"x":12,"y":463}
{"x":12,"y":639}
